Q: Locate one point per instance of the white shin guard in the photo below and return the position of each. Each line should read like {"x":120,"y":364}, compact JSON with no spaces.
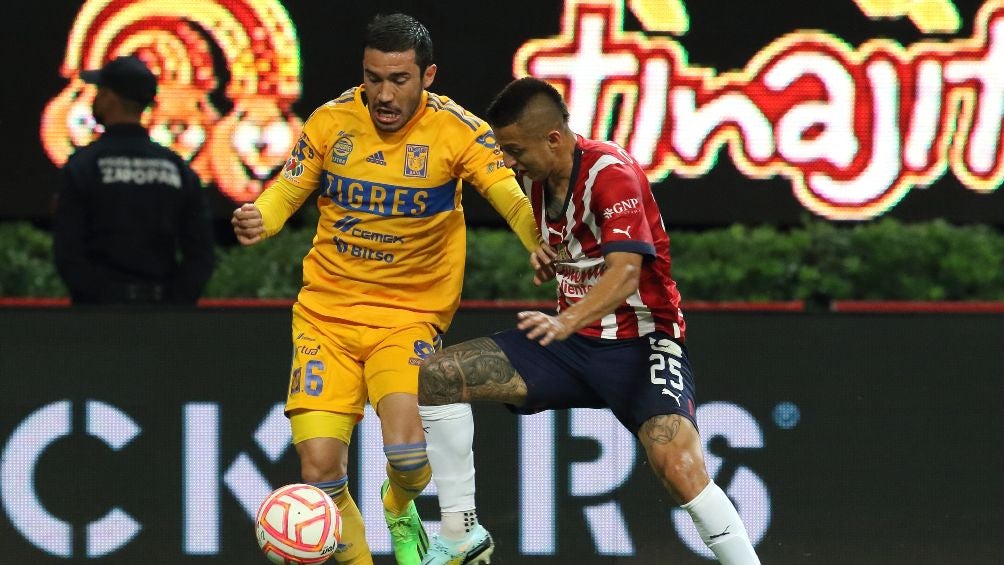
{"x":449,"y":438}
{"x":720,"y":527}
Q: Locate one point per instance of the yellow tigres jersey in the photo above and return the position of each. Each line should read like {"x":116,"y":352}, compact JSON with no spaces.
{"x":391,"y":242}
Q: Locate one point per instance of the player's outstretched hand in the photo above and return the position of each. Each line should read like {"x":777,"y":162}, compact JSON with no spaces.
{"x":542,"y":327}
{"x":248,"y":224}
{"x":542,"y":261}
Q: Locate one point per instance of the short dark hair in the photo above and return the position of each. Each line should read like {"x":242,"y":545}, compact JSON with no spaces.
{"x":397,"y":33}
{"x":509,"y":104}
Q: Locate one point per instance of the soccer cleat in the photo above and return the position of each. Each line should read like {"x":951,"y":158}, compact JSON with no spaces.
{"x":477,"y":547}
{"x":406,"y":533}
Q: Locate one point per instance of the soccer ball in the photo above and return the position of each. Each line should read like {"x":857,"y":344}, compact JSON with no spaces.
{"x":298,"y":524}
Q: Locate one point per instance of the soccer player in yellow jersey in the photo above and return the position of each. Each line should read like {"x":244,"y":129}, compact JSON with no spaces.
{"x":383,"y":278}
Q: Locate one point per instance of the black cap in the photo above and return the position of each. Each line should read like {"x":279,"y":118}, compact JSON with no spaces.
{"x":126,"y":76}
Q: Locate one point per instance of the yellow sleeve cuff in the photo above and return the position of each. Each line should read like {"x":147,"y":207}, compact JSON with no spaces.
{"x":278,"y":202}
{"x":508,"y":199}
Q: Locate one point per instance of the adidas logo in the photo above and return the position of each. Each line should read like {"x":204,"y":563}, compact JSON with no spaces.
{"x":376,"y":158}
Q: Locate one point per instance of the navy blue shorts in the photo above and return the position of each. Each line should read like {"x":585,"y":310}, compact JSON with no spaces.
{"x":636,"y":378}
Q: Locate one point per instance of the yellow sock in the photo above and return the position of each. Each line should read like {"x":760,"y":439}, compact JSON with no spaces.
{"x":353,"y":549}
{"x":409,"y":473}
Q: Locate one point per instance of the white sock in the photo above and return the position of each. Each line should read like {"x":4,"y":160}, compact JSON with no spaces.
{"x":720,"y":527}
{"x":449,"y":443}
{"x":457,"y":525}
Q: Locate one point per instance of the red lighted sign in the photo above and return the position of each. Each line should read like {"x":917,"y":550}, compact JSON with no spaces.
{"x":239,"y":150}
{"x":853,"y":129}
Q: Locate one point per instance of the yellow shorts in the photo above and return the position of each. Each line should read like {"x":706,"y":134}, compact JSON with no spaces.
{"x":338,"y":365}
{"x":308,"y":424}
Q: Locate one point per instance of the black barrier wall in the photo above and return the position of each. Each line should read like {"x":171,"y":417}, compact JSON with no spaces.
{"x":150,"y":436}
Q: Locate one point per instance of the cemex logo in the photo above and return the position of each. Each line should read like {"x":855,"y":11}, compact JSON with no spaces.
{"x":346,"y":223}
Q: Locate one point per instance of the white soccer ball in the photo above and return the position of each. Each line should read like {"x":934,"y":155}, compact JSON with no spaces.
{"x":298,"y":524}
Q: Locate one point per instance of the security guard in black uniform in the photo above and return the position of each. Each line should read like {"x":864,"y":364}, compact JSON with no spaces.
{"x":130,"y":208}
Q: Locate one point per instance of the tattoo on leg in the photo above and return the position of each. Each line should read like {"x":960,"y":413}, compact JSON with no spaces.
{"x":661,"y":429}
{"x":473,"y":370}
{"x":673,"y":447}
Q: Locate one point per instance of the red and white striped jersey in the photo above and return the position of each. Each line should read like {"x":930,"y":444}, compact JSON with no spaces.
{"x":610,"y":207}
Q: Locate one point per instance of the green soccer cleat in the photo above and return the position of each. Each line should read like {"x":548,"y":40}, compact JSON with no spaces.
{"x":406,"y":533}
{"x":477,"y":547}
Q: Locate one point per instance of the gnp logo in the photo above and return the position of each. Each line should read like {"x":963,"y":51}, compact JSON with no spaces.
{"x":629,"y":206}
{"x":238,"y":151}
{"x":853,"y":129}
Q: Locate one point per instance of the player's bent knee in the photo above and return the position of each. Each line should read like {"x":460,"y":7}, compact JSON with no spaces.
{"x":675,"y":465}
{"x":322,"y":460}
{"x":322,"y":470}
{"x":673,"y":447}
{"x":435,"y":385}
{"x":682,"y":472}
{"x":425,"y":379}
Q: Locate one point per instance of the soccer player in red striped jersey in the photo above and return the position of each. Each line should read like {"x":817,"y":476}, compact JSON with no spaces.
{"x":616,"y":342}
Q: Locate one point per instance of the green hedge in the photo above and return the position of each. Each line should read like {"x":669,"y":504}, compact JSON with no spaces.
{"x":26,"y":267}
{"x":270,"y":269}
{"x":884,"y":260}
{"x":817,"y":262}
